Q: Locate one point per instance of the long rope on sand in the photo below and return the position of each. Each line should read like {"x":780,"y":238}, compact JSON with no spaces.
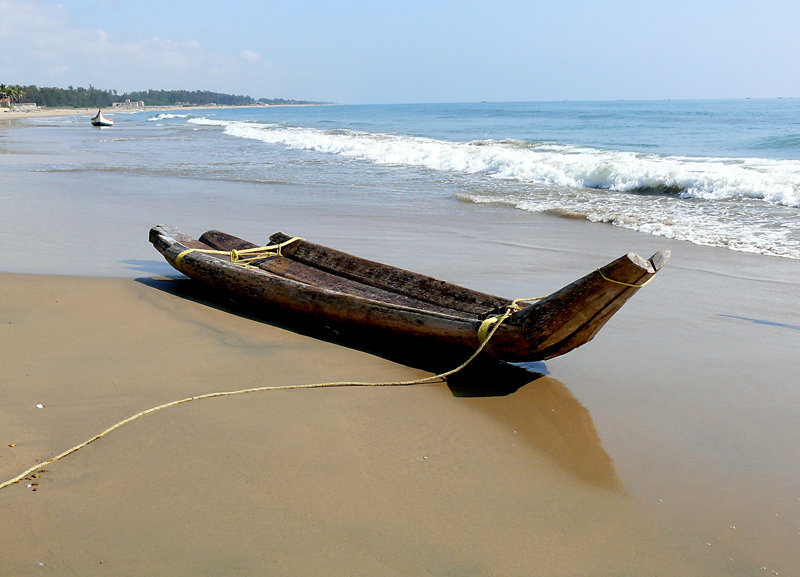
{"x":495,"y":324}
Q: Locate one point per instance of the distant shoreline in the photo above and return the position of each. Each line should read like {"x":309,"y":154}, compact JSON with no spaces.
{"x":44,"y":111}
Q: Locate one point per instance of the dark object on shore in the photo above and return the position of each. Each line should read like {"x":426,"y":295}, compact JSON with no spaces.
{"x":316,"y":284}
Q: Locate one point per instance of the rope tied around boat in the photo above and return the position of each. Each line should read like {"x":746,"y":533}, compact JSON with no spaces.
{"x":611,"y":280}
{"x":483,"y":330}
{"x":488,"y":322}
{"x":243,"y":256}
{"x":511,"y":308}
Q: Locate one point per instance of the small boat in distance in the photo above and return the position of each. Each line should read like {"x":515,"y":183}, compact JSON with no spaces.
{"x":320,"y":286}
{"x":101,"y":120}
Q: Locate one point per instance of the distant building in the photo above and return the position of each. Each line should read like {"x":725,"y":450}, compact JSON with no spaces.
{"x":25,"y":107}
{"x":128,"y":104}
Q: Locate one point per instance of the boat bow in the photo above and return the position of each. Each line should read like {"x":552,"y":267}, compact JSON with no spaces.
{"x":572,"y":315}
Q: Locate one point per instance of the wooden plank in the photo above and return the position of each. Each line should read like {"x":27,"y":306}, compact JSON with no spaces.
{"x":301,"y":272}
{"x":264,"y":291}
{"x":393,"y":279}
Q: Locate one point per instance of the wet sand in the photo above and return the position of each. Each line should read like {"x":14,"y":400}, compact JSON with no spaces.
{"x":361,"y":481}
{"x":666,"y":446}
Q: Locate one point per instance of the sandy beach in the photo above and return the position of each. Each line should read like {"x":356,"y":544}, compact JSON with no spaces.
{"x":395,"y":481}
{"x":45,"y":112}
{"x":8,"y":114}
{"x":666,"y":446}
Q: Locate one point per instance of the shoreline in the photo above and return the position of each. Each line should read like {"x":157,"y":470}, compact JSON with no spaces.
{"x":44,"y":112}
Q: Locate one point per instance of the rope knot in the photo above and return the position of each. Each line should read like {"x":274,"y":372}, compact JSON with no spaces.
{"x":243,"y":256}
{"x":491,"y":323}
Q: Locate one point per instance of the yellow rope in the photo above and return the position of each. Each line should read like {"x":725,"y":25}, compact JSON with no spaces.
{"x":513,"y":307}
{"x":483,"y":330}
{"x":625,"y":283}
{"x":236,"y":256}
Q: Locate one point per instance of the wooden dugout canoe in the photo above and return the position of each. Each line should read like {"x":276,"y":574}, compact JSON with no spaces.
{"x":327,"y":286}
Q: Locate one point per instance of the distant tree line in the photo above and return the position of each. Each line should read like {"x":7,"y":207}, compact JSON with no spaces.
{"x":97,"y":98}
{"x":70,"y":97}
{"x":173,"y":97}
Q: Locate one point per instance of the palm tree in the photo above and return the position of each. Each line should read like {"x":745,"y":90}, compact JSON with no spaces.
{"x":3,"y":91}
{"x":16,"y":92}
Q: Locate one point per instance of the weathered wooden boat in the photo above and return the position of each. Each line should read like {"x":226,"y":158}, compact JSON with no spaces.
{"x":100,"y":120}
{"x":319,"y":284}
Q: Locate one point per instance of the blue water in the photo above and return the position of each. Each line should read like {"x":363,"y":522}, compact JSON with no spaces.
{"x":719,"y":173}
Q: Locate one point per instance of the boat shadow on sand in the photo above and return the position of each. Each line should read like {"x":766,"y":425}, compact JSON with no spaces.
{"x":540,"y":409}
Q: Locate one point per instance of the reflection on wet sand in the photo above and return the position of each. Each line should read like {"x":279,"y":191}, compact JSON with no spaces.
{"x":543,"y":413}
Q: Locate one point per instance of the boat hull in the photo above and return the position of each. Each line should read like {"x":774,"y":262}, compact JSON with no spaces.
{"x":321,"y":286}
{"x":100,"y":120}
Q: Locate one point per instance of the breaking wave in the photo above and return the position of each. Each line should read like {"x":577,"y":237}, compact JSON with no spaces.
{"x":547,"y":164}
{"x":166,"y":116}
{"x":743,"y":204}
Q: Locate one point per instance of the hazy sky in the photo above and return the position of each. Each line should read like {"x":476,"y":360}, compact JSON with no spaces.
{"x":407,"y":50}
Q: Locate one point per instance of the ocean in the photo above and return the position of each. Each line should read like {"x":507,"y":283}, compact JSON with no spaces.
{"x":723,"y":173}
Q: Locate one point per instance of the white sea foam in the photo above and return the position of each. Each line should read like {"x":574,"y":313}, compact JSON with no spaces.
{"x":210,"y":122}
{"x":773,"y":181}
{"x":166,"y":116}
{"x":726,"y":202}
{"x":743,"y":227}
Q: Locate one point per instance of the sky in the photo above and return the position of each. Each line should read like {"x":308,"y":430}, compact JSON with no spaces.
{"x":402,"y":51}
